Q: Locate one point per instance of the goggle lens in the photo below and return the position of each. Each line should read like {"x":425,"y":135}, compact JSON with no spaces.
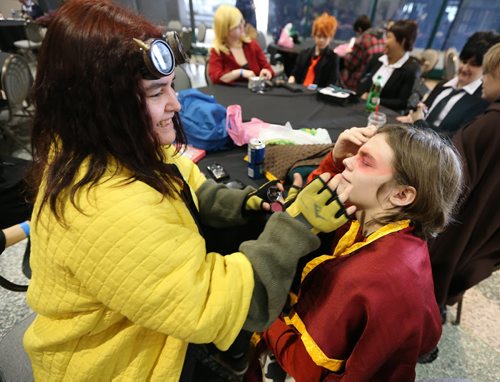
{"x":162,"y":57}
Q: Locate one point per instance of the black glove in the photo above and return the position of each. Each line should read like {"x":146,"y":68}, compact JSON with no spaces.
{"x":267,"y":193}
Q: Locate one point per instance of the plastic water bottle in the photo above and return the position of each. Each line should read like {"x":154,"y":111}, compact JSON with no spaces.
{"x":374,"y":95}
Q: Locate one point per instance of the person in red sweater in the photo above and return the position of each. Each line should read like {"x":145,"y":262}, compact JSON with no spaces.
{"x":234,"y":56}
{"x":365,"y":308}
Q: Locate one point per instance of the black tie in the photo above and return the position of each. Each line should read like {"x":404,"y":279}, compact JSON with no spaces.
{"x":434,"y":114}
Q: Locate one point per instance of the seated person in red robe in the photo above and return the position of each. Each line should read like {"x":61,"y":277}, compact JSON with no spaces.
{"x":234,"y":56}
{"x":365,"y":309}
{"x":318,"y":65}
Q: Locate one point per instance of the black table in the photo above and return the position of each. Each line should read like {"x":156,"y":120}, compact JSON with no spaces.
{"x":10,"y":31}
{"x":302,"y":110}
{"x":278,"y":106}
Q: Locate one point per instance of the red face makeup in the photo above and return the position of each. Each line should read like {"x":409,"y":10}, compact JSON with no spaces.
{"x":367,"y":171}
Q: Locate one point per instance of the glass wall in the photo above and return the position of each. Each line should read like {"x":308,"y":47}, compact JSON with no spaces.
{"x":473,"y":16}
{"x":302,"y":14}
{"x":442,"y":23}
{"x":204,"y":9}
{"x":425,"y":13}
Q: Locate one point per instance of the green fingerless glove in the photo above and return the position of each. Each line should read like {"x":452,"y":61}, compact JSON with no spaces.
{"x":318,"y":207}
{"x":255,"y":199}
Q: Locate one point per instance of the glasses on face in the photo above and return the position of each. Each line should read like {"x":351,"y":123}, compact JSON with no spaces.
{"x":161,"y":55}
{"x":241,"y":26}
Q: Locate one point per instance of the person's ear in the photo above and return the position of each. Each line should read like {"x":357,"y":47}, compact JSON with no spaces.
{"x":403,"y":195}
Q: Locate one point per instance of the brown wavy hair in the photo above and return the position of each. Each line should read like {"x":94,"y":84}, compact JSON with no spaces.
{"x":90,"y":106}
{"x":430,"y":164}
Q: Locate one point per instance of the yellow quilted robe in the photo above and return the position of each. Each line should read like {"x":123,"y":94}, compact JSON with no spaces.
{"x":122,"y":290}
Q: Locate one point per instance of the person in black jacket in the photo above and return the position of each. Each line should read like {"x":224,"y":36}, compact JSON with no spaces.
{"x":468,"y":251}
{"x":454,"y":103}
{"x":318,"y":65}
{"x":397,"y":69}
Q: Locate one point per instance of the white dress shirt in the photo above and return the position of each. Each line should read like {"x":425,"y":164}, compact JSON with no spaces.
{"x":386,"y":70}
{"x":448,"y":87}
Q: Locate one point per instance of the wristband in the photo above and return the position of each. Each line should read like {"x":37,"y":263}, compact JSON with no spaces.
{"x":26,"y":228}
{"x":241,"y":73}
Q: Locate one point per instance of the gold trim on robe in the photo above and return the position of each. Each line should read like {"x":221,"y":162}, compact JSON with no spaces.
{"x":345,"y":246}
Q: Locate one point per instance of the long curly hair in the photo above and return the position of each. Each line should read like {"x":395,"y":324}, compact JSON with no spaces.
{"x":90,"y":106}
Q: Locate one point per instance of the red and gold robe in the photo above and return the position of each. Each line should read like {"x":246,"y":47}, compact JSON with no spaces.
{"x":364,"y":313}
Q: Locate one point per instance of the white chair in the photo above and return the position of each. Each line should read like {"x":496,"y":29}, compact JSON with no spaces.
{"x":199,"y":52}
{"x":17,"y":81}
{"x":429,"y":59}
{"x":202,"y":32}
{"x":450,"y":66}
{"x":34,"y":36}
{"x":186,"y":38}
{"x":174,"y":25}
{"x":15,"y":365}
{"x":261,"y":39}
{"x":182,"y":80}
{"x":207,"y":77}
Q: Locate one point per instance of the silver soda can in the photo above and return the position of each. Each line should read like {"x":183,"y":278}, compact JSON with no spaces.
{"x":256,"y":155}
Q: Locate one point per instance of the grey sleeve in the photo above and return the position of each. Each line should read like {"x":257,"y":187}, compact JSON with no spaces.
{"x":274,"y":256}
{"x":220,"y":206}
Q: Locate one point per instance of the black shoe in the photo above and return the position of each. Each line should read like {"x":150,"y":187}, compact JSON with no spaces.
{"x":220,"y":365}
{"x":429,"y":357}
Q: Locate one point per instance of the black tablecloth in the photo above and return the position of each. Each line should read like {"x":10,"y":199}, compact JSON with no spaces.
{"x":278,"y":106}
{"x":10,"y":31}
{"x":302,"y":110}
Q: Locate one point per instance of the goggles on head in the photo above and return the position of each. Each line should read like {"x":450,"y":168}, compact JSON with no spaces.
{"x":161,"y":55}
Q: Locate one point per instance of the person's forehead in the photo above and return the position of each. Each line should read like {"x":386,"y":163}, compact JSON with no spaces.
{"x":378,"y":148}
{"x":153,"y":84}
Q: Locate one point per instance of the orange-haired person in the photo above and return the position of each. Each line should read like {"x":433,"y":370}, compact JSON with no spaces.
{"x":318,"y":65}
